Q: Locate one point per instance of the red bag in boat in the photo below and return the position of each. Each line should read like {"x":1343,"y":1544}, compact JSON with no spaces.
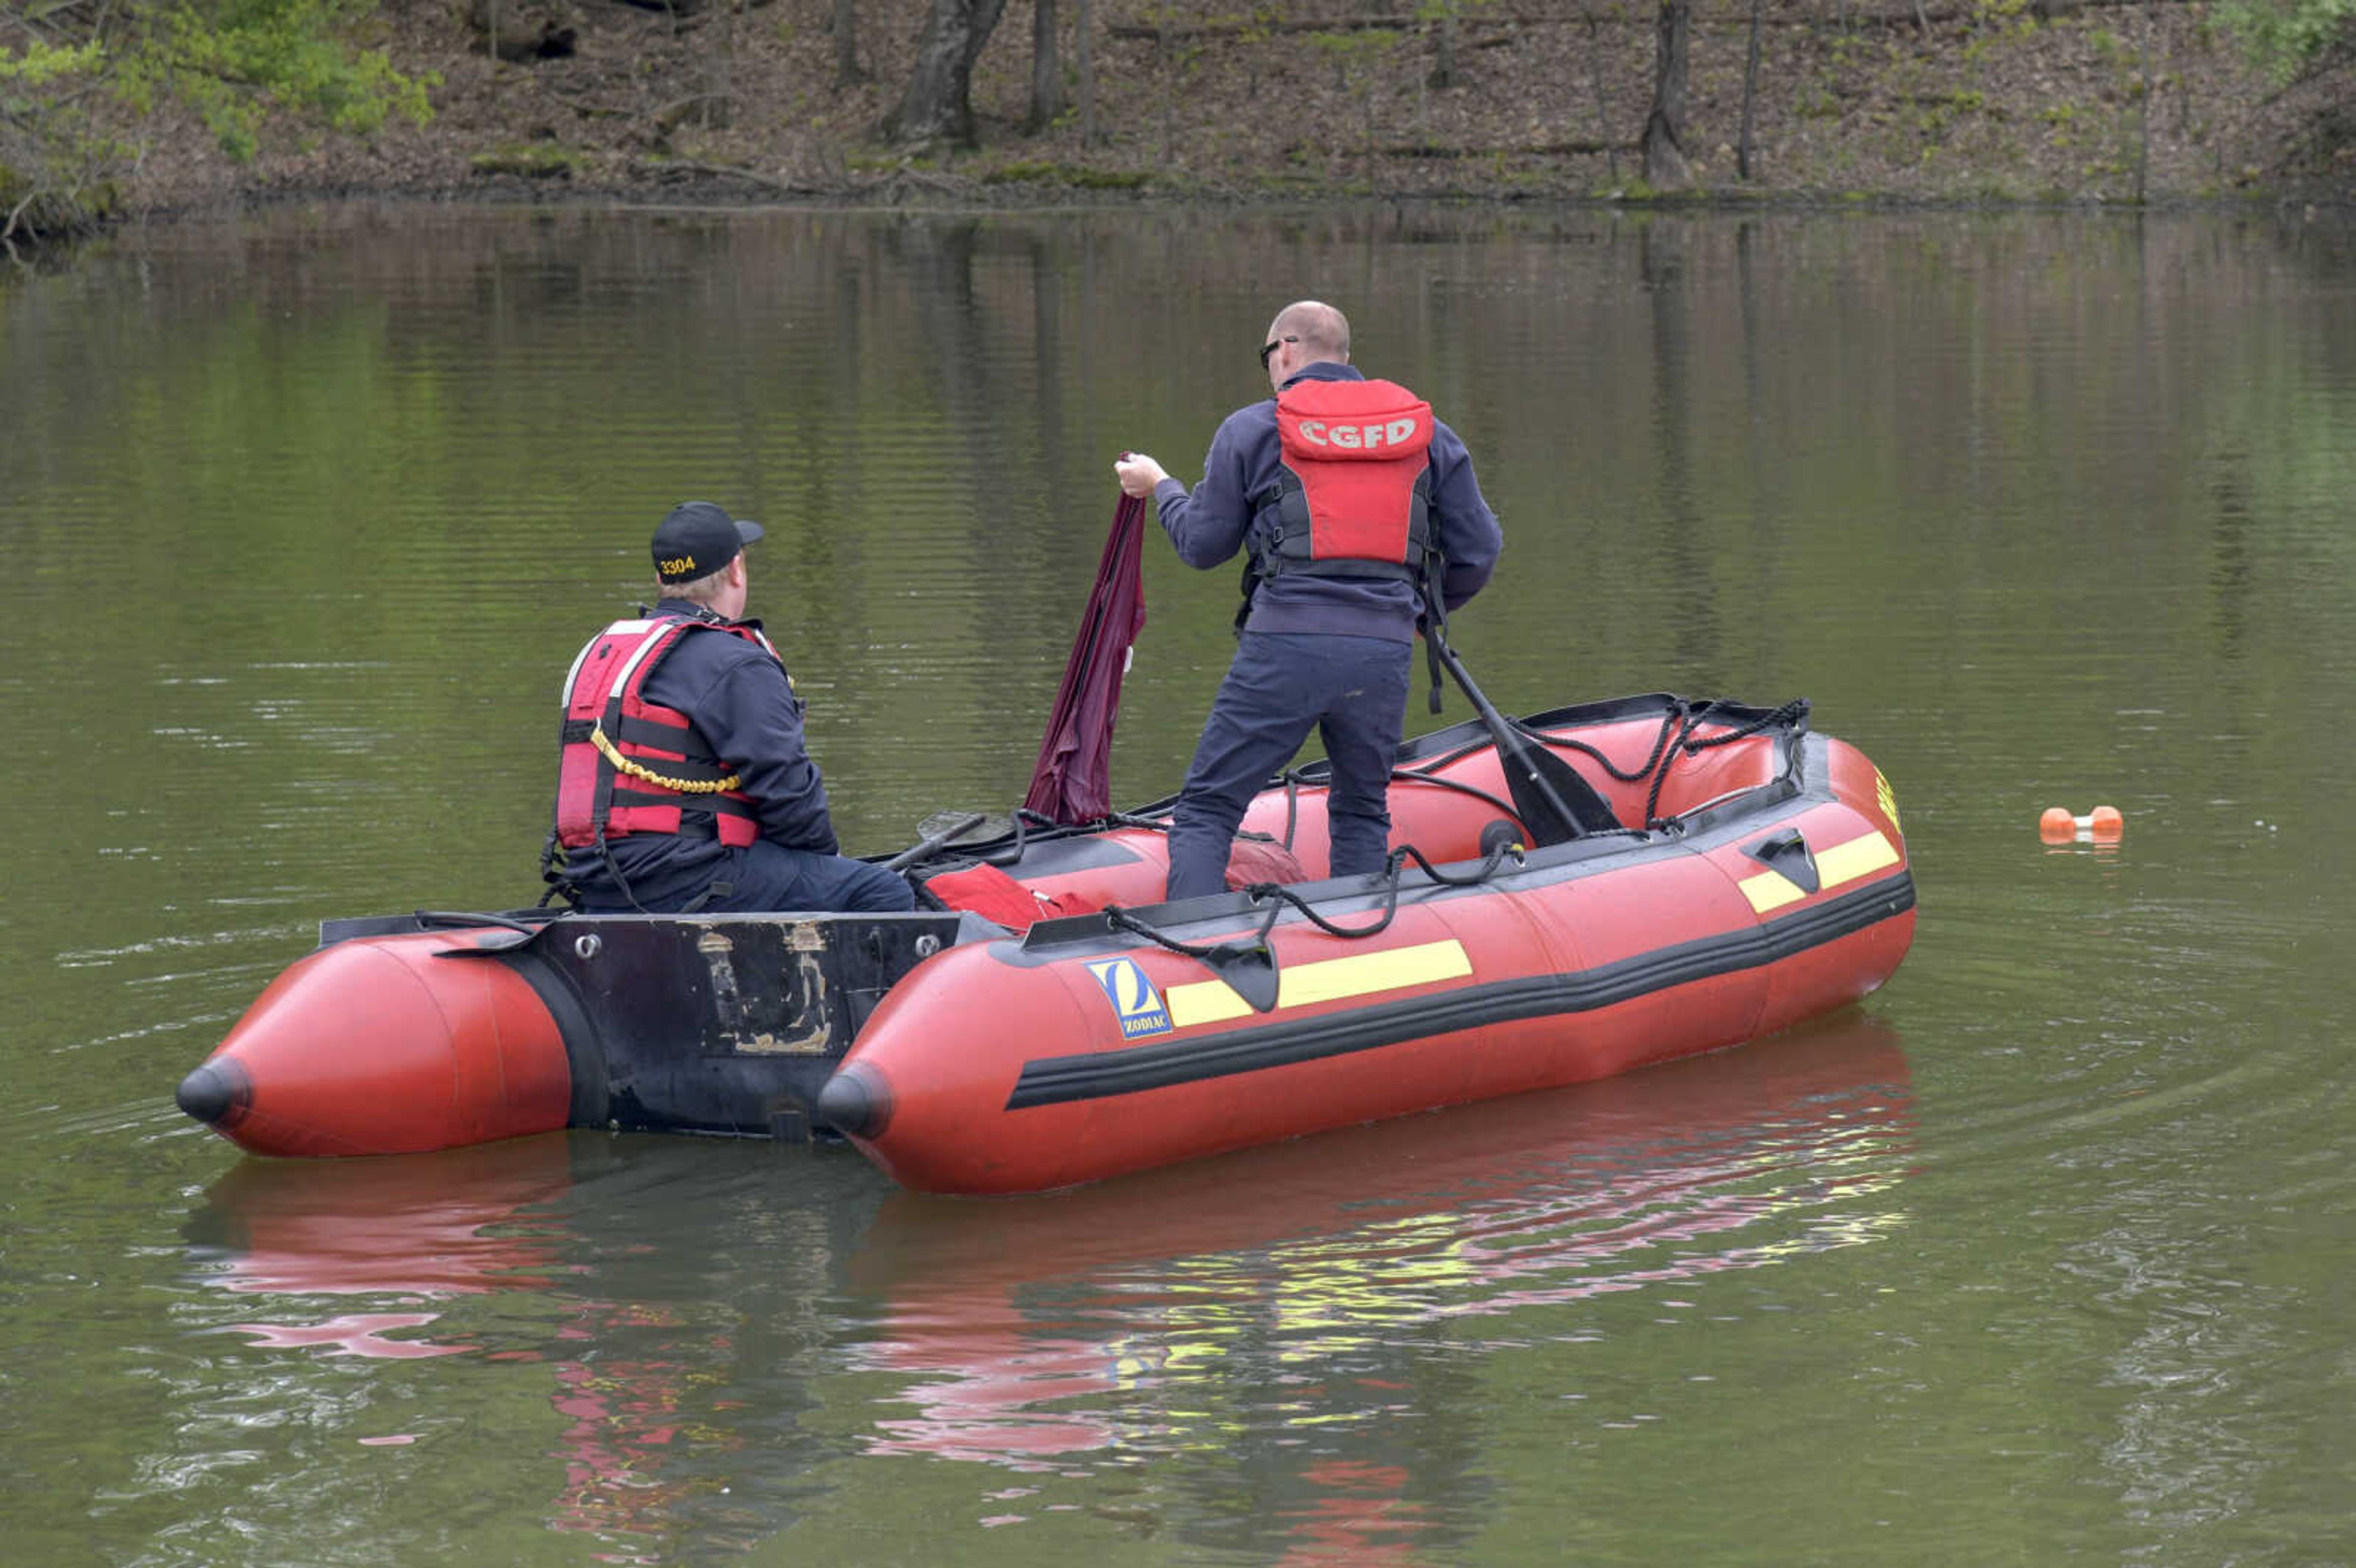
{"x":993,"y":894}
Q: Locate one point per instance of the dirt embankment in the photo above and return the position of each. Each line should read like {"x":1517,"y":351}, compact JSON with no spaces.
{"x":1908,"y":100}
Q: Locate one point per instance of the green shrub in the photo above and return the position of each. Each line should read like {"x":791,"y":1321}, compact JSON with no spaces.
{"x":531,"y":160}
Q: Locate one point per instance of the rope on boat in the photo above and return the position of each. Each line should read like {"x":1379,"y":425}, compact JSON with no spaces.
{"x":1675,"y":736}
{"x":1677,"y":725}
{"x":1678,"y":712}
{"x":1277,"y":896}
{"x":1792,"y":713}
{"x":1414,"y":775}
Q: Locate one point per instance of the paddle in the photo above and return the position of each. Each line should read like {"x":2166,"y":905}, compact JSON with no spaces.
{"x":1543,"y":787}
{"x":932,"y":843}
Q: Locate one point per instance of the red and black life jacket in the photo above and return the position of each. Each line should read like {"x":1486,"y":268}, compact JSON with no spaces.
{"x":1352,"y":493}
{"x":629,"y":765}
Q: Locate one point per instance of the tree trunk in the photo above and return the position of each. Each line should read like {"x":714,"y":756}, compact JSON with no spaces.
{"x":936,"y":108}
{"x":1046,"y":69}
{"x":1602,"y":99}
{"x":1664,"y":127}
{"x":848,"y":72}
{"x":1087,"y":78}
{"x":1749,"y":94}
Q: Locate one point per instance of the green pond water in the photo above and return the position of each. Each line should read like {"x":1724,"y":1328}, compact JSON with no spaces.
{"x":2040,"y":1256}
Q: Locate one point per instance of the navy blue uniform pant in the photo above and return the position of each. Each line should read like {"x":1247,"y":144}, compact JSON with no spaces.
{"x":764,"y":876}
{"x":1352,"y":690}
{"x":769,"y":878}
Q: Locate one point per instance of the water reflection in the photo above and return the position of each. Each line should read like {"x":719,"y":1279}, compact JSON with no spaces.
{"x":1126,"y":1312}
{"x":684,"y":1306}
{"x":628,"y":1297}
{"x":450,"y":1225}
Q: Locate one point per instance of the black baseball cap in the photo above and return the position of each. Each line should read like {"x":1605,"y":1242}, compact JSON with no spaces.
{"x":697,"y":539}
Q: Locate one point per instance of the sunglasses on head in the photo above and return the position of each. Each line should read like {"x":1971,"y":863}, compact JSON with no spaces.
{"x":1267,"y":350}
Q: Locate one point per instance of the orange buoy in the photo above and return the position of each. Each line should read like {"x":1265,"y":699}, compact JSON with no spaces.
{"x":2103,"y":824}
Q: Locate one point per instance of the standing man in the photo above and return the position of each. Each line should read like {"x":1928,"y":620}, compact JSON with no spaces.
{"x":1357,"y":508}
{"x":684,"y":784}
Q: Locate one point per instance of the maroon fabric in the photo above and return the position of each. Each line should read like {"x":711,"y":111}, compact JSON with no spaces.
{"x":1073,"y":780}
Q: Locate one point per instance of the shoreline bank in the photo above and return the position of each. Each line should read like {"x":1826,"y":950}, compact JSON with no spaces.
{"x":1999,"y":106}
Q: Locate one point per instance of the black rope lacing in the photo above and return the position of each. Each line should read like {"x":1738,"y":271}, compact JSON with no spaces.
{"x":1278,"y":897}
{"x":1679,"y":712}
{"x":1675,"y":738}
{"x":1790,"y":714}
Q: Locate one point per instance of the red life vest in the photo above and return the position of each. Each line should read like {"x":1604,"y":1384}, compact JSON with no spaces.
{"x":629,"y":765}
{"x":1353,"y":494}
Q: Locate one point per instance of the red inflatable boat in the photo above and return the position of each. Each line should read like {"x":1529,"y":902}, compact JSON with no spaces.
{"x":1048,"y":1022}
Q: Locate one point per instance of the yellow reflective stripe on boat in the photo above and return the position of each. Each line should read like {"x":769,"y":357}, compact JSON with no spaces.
{"x":1327,"y":980}
{"x":1860,"y":857}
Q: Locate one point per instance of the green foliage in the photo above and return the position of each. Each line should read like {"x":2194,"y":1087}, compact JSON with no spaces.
{"x":533,"y":160}
{"x":41,"y":64}
{"x":53,"y":171}
{"x":1042,"y":172}
{"x":1253,"y":27}
{"x":1349,"y":49}
{"x":2281,"y":36}
{"x":1996,"y":21}
{"x":233,"y":60}
{"x":1936,"y":111}
{"x":71,"y":101}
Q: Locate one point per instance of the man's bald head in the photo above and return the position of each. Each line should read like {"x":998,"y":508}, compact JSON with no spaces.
{"x":1324,"y":331}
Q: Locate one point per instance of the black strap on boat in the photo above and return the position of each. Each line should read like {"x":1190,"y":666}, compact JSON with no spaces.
{"x":1435,"y":615}
{"x":697,"y":904}
{"x":551,"y":862}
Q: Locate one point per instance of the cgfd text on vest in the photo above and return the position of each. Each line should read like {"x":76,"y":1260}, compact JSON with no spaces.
{"x":1357,"y":437}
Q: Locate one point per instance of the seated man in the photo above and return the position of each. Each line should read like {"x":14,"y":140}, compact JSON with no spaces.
{"x":684,"y":784}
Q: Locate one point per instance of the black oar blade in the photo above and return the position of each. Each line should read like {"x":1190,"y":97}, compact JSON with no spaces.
{"x":1554,"y":802}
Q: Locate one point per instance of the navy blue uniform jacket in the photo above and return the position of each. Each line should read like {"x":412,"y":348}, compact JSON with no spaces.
{"x":1209,"y":525}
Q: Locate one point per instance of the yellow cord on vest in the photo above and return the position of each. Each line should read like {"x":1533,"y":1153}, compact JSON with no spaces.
{"x":685,"y":786}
